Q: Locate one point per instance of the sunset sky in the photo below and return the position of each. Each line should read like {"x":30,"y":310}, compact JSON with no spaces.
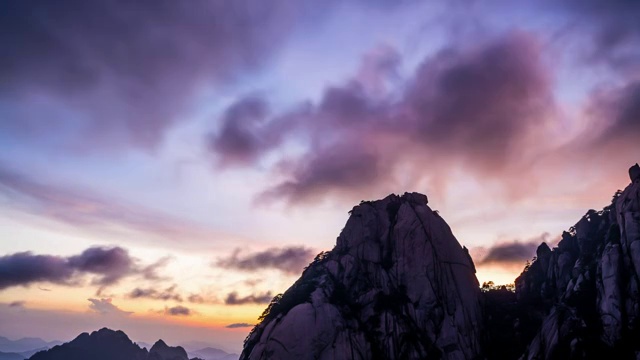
{"x":167,"y":167}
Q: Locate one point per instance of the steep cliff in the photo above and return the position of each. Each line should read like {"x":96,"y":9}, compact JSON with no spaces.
{"x":397,"y":285}
{"x":583,"y":296}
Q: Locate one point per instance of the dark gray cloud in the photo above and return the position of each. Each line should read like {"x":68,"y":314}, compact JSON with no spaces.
{"x":287,"y":259}
{"x":107,"y":265}
{"x":178,"y":311}
{"x":617,"y":111}
{"x":240,"y":138}
{"x":151,"y":293}
{"x":239,"y":325}
{"x":334,"y":169}
{"x":111,"y":264}
{"x":478,"y":105}
{"x":128,"y":69}
{"x":25,"y":268}
{"x":234,"y":299}
{"x":513,"y":252}
{"x":106,"y":307}
{"x":481,"y":103}
{"x":613,"y":27}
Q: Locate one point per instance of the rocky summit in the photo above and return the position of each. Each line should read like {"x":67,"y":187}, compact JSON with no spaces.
{"x":397,"y":285}
{"x":583,"y":296}
{"x":107,"y":344}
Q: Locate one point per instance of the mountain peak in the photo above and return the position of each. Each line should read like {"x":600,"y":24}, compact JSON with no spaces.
{"x":634,"y":173}
{"x":396,"y":285}
{"x":159,"y":344}
{"x":161,"y":351}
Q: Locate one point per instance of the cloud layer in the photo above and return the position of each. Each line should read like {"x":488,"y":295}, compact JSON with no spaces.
{"x":107,"y":266}
{"x":238,"y":325}
{"x":511,"y":252}
{"x":128,"y":70}
{"x":234,"y":299}
{"x":479,"y":105}
{"x":106,"y":307}
{"x":151,"y":293}
{"x":290,"y":260}
{"x":86,"y":209}
{"x":178,"y":310}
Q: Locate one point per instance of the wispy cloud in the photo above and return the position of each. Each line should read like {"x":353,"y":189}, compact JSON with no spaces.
{"x":151,"y":293}
{"x":511,"y":252}
{"x":178,"y":311}
{"x":88,"y":210}
{"x":234,"y":299}
{"x":239,"y":325}
{"x":17,"y":304}
{"x":290,"y":259}
{"x":106,"y":307}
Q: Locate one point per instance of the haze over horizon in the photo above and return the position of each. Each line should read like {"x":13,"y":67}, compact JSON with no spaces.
{"x":168,"y":167}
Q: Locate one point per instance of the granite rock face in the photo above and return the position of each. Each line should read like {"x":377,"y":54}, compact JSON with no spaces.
{"x":397,"y":285}
{"x":586,"y":291}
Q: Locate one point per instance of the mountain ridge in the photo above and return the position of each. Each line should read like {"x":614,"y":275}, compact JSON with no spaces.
{"x":580,"y":300}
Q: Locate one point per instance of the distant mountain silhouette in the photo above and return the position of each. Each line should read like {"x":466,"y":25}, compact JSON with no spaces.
{"x":11,"y":356}
{"x":210,"y":353}
{"x":25,"y":345}
{"x":106,"y":344}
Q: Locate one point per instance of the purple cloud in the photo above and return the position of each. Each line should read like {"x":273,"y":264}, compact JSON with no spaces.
{"x":616,"y":110}
{"x":17,"y":304}
{"x":108,"y":265}
{"x":287,"y":259}
{"x":106,"y":307}
{"x":151,"y":293}
{"x":479,"y":105}
{"x":178,"y":311}
{"x":238,"y":325}
{"x":234,"y":299}
{"x":85,"y":209}
{"x":240,"y":138}
{"x":511,"y":252}
{"x":613,"y":27}
{"x":25,"y":268}
{"x":128,"y":70}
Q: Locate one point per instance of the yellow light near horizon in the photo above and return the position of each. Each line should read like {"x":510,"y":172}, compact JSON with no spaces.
{"x":499,"y":274}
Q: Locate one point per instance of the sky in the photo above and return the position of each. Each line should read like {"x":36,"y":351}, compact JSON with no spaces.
{"x":167,"y":167}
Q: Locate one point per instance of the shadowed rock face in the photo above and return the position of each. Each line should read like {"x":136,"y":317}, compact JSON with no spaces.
{"x":397,"y":285}
{"x":583,"y":297}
